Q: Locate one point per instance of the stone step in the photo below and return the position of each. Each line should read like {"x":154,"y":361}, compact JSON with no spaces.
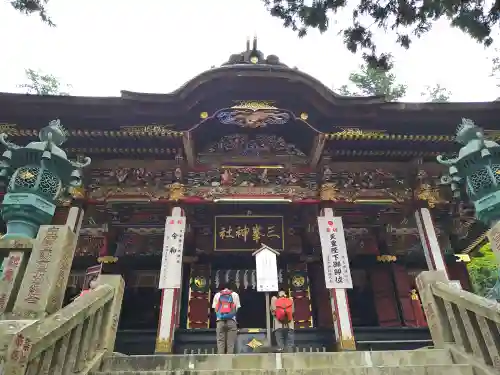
{"x":384,"y":370}
{"x":273,"y":361}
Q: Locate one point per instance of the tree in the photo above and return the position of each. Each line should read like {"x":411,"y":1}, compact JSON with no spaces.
{"x":483,"y":270}
{"x":373,"y":81}
{"x":495,"y":67}
{"x":33,"y":7}
{"x":42,"y":84}
{"x":436,"y":94}
{"x":405,"y":18}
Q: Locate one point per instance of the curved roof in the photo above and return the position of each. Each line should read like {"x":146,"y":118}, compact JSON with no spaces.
{"x":253,"y":63}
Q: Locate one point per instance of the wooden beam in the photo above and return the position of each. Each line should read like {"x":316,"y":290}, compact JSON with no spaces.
{"x":187,"y":141}
{"x":317,"y":149}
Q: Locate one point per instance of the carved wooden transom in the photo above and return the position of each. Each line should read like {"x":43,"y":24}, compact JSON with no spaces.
{"x":254,"y":145}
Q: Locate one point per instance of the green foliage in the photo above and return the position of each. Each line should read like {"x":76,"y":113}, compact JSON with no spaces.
{"x":33,"y":7}
{"x":42,"y":84}
{"x":483,"y":270}
{"x":405,"y":18}
{"x":371,"y":81}
{"x":436,"y":94}
{"x":495,"y":67}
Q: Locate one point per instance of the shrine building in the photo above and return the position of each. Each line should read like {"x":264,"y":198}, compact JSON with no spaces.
{"x":252,"y":153}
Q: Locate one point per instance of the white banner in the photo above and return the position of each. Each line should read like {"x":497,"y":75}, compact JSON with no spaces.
{"x":334,"y":250}
{"x":173,"y":247}
{"x":267,"y":271}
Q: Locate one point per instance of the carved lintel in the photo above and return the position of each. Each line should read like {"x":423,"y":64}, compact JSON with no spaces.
{"x":217,"y":192}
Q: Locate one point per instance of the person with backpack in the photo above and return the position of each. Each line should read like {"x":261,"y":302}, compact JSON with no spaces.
{"x":282,"y":310}
{"x":226,"y":304}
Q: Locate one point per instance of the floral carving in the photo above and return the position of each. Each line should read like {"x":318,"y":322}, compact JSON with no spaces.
{"x":260,"y":144}
{"x":252,"y":177}
{"x":368,"y":184}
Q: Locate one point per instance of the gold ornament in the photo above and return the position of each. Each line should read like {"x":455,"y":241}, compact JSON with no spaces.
{"x":329,"y":192}
{"x":177,"y":191}
{"x":429,"y":194}
{"x":254,"y":344}
{"x":163,"y":346}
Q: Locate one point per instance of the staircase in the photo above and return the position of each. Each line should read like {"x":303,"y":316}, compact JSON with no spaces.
{"x":79,"y":339}
{"x":416,"y":362}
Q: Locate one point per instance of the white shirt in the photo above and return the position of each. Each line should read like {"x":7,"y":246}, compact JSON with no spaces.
{"x":234,"y":295}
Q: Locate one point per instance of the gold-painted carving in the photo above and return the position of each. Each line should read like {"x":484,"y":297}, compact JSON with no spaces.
{"x":254,"y":105}
{"x":254,"y":344}
{"x":253,"y":114}
{"x":77,"y":192}
{"x":108,"y":259}
{"x":177,"y":191}
{"x":163,"y":346}
{"x":386,"y":258}
{"x":200,"y":281}
{"x":153,"y":128}
{"x":329,"y":192}
{"x":7,"y":127}
{"x":298,"y":281}
{"x":429,"y":194}
{"x":356,"y":132}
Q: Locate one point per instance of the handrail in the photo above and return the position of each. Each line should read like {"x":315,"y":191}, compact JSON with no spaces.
{"x":73,"y":340}
{"x":471,"y":301}
{"x":470,"y":323}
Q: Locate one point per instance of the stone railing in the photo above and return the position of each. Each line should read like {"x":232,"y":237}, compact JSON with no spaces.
{"x":463,"y":321}
{"x":73,"y":340}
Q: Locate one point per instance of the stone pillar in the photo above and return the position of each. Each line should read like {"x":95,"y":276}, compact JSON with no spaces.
{"x":169,"y":310}
{"x":44,"y":283}
{"x":342,"y":323}
{"x":14,"y":267}
{"x":433,"y":255}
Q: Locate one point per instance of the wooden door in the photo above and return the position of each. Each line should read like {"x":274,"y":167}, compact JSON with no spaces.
{"x":384,"y":296}
{"x":403,"y":291}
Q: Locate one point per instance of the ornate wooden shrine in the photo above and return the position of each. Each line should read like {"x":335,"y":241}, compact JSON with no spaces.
{"x":252,"y":151}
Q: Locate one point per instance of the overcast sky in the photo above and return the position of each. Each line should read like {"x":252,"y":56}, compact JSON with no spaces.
{"x":102,"y":47}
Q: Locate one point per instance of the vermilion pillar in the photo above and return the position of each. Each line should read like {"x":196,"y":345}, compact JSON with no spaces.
{"x":342,"y":323}
{"x":169,"y":309}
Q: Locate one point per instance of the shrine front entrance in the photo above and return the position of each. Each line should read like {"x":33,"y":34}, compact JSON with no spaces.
{"x":252,"y":314}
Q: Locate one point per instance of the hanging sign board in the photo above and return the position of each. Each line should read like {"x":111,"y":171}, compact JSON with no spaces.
{"x":248,"y":232}
{"x":334,"y":251}
{"x":267,"y":269}
{"x":173,"y":247}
